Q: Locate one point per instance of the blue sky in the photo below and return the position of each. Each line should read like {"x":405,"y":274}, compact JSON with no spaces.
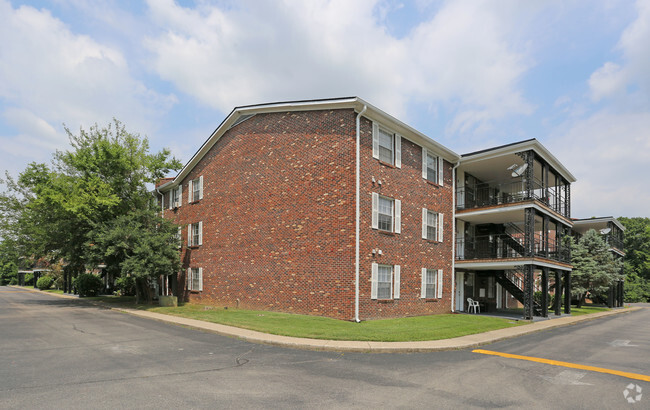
{"x":470,"y":74}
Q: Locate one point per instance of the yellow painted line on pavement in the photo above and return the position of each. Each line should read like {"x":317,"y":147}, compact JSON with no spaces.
{"x":635,"y":376}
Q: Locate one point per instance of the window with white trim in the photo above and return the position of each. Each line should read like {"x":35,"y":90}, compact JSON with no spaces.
{"x":195,"y":190}
{"x":195,"y":279}
{"x":431,"y":222}
{"x":386,"y":146}
{"x":177,"y":197}
{"x":432,"y":167}
{"x":385,"y":281}
{"x":386,"y":213}
{"x":432,"y":225}
{"x":195,"y":234}
{"x":178,"y":237}
{"x":431,"y":284}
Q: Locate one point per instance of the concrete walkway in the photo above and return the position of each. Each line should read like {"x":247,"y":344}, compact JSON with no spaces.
{"x":463,"y":342}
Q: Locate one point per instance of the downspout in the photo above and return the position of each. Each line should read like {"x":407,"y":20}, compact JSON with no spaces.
{"x":453,"y":237}
{"x":162,"y":202}
{"x":357,"y":222}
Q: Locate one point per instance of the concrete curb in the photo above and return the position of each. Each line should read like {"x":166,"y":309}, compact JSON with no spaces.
{"x":463,"y":342}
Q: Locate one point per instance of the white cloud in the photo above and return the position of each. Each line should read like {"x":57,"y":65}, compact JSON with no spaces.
{"x":609,"y":154}
{"x":613,"y":79}
{"x":50,"y":75}
{"x":261,"y":51}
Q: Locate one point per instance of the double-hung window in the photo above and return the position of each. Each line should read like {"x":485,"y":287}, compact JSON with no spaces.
{"x":432,"y":225}
{"x":431,"y":283}
{"x":386,"y":146}
{"x":432,"y":165}
{"x":195,"y":234}
{"x":385,"y":281}
{"x":195,"y":190}
{"x":386,"y":213}
{"x":176,"y":197}
{"x":195,"y":279}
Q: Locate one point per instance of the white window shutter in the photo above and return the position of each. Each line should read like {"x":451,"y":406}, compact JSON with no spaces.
{"x":373,"y":279}
{"x":441,"y":176}
{"x":189,"y":278}
{"x":200,"y":279}
{"x":396,"y":273}
{"x":180,"y":194}
{"x":424,"y":223}
{"x":200,"y":233}
{"x":424,"y":163}
{"x":375,"y":140}
{"x":189,"y":235}
{"x":375,"y":210}
{"x":201,"y":187}
{"x":439,"y":283}
{"x":170,"y":197}
{"x":398,"y":151}
{"x":398,"y":216}
{"x":440,"y":226}
{"x":190,"y":192}
{"x":423,"y":284}
{"x":180,"y":237}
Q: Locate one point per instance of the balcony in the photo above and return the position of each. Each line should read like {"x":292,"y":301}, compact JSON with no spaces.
{"x":492,"y":194}
{"x":614,"y":242}
{"x":510,"y":246}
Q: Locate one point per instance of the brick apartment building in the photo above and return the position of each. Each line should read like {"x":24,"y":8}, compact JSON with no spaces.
{"x":282,"y":209}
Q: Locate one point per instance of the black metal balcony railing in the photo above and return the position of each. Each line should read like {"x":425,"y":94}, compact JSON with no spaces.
{"x":507,"y":246}
{"x":614,"y":242}
{"x":489,"y":194}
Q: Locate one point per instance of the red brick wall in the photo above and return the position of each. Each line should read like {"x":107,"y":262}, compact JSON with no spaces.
{"x":278,"y":214}
{"x":406,"y":249}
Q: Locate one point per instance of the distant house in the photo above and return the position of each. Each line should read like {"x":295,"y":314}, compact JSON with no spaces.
{"x":282,"y":209}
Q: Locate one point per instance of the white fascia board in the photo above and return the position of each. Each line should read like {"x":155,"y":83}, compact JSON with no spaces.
{"x":372,"y":113}
{"x":523,"y":146}
{"x":563,"y":220}
{"x":508,"y":265}
{"x":587,"y":222}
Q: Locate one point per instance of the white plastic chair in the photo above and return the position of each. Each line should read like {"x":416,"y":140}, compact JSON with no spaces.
{"x":471,"y":303}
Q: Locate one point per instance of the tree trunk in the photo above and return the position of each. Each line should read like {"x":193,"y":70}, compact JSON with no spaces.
{"x":581,"y":300}
{"x":142,"y":291}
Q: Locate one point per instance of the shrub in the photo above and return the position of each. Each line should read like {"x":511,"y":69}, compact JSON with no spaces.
{"x":538,"y":298}
{"x":125,"y":285}
{"x":13,"y":281}
{"x":44,"y":283}
{"x":29,"y":279}
{"x":88,"y":284}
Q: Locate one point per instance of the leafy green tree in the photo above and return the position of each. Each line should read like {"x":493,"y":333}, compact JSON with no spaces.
{"x":594,"y":267}
{"x":142,"y":245}
{"x":58,"y":210}
{"x":637,"y":258}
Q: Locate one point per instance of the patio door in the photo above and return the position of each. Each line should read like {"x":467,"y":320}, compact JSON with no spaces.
{"x":460,"y":292}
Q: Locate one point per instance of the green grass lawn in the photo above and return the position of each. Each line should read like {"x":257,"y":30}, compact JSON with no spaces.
{"x":432,"y":327}
{"x":586,"y":309}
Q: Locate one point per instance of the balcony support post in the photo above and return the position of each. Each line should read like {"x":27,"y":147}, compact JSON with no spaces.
{"x":528,"y":291}
{"x":567,"y":292}
{"x":567,"y":201}
{"x":529,"y":232}
{"x":558,"y":293}
{"x":545,"y":291}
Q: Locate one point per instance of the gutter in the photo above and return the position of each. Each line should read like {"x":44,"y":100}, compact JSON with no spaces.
{"x":453,"y":237}
{"x":358,"y":197}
